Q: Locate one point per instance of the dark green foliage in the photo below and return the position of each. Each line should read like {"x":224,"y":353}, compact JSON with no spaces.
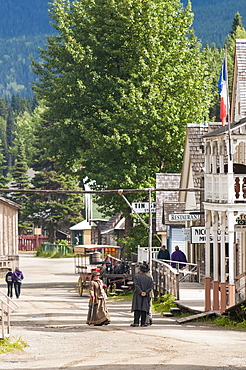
{"x":3,"y":177}
{"x":20,"y":181}
{"x":10,"y":128}
{"x":212,"y":21}
{"x":16,"y":75}
{"x":54,"y":211}
{"x":16,"y":121}
{"x":237,"y":22}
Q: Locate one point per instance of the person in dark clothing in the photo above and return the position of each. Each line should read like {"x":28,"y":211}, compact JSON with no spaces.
{"x":17,"y":277}
{"x":163,"y":253}
{"x":9,"y":281}
{"x":178,"y":256}
{"x":143,"y":284}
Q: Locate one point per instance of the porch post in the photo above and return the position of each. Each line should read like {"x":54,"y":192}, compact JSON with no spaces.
{"x":207,"y":262}
{"x":215,"y":262}
{"x":222,"y":263}
{"x":231,"y":285}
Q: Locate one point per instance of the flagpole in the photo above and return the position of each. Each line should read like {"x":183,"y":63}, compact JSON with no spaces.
{"x":228,"y":104}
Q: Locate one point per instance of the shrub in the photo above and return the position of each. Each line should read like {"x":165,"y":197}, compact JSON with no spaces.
{"x":164,"y":303}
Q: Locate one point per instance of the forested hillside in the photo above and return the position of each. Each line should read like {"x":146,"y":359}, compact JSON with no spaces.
{"x":16,"y":75}
{"x":24,"y":24}
{"x":24,"y":17}
{"x":213,"y":18}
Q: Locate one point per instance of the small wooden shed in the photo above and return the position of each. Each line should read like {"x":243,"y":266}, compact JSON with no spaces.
{"x":8,"y":235}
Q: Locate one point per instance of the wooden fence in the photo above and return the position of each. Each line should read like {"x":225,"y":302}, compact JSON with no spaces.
{"x":31,"y":242}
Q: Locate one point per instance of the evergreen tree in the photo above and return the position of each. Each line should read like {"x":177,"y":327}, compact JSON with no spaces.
{"x":4,"y":146}
{"x":54,"y":211}
{"x":3,"y":178}
{"x":10,"y":128}
{"x":3,"y":108}
{"x":236,"y":22}
{"x":214,"y":57}
{"x":21,"y":180}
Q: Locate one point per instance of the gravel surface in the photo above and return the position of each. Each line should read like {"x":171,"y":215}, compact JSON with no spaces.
{"x":52,"y":316}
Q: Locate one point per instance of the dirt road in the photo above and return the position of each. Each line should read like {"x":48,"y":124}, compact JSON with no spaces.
{"x":52,"y":319}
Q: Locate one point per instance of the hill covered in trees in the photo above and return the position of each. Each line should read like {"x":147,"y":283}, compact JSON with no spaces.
{"x":25,"y":23}
{"x":212,"y":21}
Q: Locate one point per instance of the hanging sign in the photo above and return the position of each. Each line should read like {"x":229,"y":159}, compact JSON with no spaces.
{"x":183,"y":217}
{"x":198,"y":235}
{"x":144,"y":207}
{"x":186,"y":234}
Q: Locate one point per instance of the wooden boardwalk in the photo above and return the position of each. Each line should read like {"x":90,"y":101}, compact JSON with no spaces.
{"x":192,"y":296}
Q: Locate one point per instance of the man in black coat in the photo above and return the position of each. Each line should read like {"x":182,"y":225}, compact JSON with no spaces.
{"x":163,"y":253}
{"x":143,"y":284}
{"x":9,"y":281}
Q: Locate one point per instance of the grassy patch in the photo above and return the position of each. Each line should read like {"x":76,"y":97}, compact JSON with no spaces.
{"x":52,"y":254}
{"x":164,"y":303}
{"x":7,"y":345}
{"x":230,"y":323}
{"x":225,"y":321}
{"x":121,"y":297}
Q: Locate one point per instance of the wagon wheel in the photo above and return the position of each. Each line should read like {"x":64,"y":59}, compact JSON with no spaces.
{"x":80,"y":286}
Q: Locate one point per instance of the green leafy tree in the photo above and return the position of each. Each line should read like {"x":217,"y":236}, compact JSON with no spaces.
{"x":120,"y":81}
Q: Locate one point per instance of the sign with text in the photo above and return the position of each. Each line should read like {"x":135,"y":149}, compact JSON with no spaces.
{"x":186,"y":234}
{"x":198,"y":235}
{"x":143,"y":207}
{"x":183,"y":217}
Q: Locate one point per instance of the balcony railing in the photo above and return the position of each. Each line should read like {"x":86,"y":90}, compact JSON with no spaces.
{"x":225,"y":188}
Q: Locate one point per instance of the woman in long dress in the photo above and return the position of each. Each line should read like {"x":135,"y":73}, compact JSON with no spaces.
{"x":98,"y":312}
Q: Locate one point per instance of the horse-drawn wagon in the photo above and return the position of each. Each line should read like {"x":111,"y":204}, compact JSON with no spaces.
{"x":104,"y":259}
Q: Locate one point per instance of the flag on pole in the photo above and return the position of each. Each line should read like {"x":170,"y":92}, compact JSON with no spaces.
{"x":223,"y":90}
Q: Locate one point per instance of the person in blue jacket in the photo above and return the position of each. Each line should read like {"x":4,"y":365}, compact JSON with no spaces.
{"x":17,"y":277}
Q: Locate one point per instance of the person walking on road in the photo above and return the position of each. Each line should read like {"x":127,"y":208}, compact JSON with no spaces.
{"x":178,"y":256}
{"x":143,"y":284}
{"x":163,"y":253}
{"x":17,"y":277}
{"x":98,"y":313}
{"x":9,"y":281}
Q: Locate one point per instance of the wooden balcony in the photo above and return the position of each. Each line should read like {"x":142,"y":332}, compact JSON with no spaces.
{"x":225,"y":188}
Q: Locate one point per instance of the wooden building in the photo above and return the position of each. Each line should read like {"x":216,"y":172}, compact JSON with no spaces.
{"x":8,"y":235}
{"x":225,"y":214}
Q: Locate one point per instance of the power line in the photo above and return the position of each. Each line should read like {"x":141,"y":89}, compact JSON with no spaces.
{"x":114,"y":191}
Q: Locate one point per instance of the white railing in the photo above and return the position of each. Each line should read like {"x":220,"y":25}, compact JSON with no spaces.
{"x":143,"y":253}
{"x":165,"y":278}
{"x":225,"y":188}
{"x":7,"y":305}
